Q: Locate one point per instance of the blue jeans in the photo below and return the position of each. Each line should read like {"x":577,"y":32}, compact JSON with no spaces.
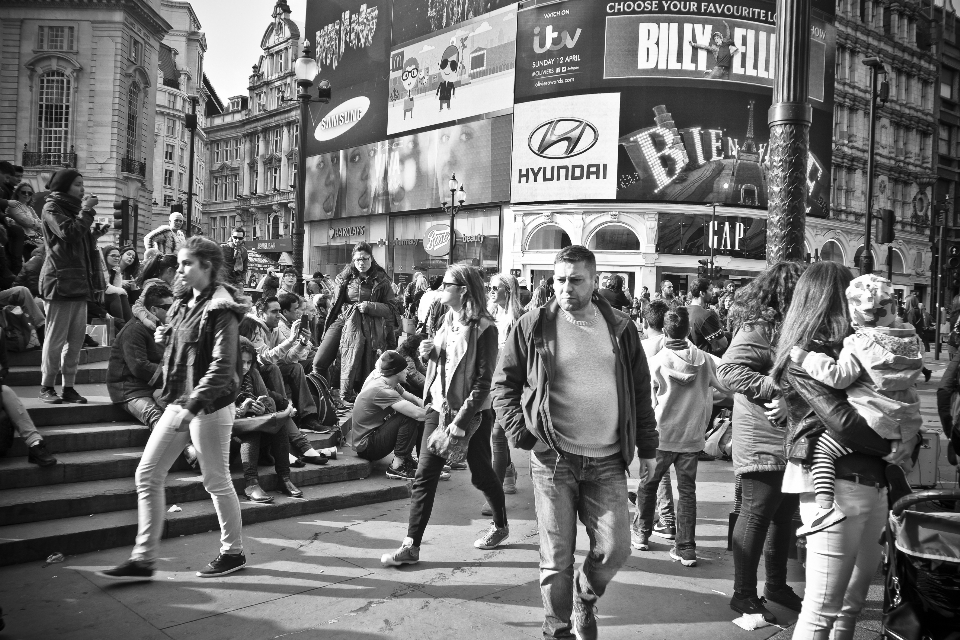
{"x":686,"y":466}
{"x":595,"y":490}
{"x":144,"y":409}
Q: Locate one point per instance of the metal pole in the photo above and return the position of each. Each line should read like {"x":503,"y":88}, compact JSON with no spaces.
{"x":453,"y":231}
{"x":789,"y":118}
{"x":941,"y":292}
{"x":192,"y":125}
{"x":866,"y":261}
{"x":712,"y":236}
{"x":890,"y":263}
{"x":301,"y":204}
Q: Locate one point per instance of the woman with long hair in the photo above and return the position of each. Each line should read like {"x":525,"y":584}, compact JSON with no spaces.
{"x":202,"y":377}
{"x":157,"y":266}
{"x":20,"y":212}
{"x":541,"y":296}
{"x":357,"y":326}
{"x":129,"y":269}
{"x":504,"y":300}
{"x":70,"y":278}
{"x":765,"y":523}
{"x":461,"y":360}
{"x":841,"y":560}
{"x":115,"y":297}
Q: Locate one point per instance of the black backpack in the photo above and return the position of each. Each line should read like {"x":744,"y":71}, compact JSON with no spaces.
{"x":326,"y":409}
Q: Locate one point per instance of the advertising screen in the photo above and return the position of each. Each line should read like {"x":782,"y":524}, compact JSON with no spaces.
{"x":695,"y":84}
{"x":415,"y":18}
{"x":456,"y":73}
{"x":410,"y":172}
{"x":736,"y":236}
{"x":351,"y":41}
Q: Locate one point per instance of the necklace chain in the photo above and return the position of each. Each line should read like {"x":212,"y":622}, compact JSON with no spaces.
{"x":581,"y":323}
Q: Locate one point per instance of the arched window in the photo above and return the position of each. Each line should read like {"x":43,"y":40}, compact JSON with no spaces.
{"x":133,"y":115}
{"x":275,"y":227}
{"x":614,"y":237}
{"x":898,"y":266}
{"x":831,"y":252}
{"x":53,"y":116}
{"x":549,"y":237}
{"x":859,"y":255}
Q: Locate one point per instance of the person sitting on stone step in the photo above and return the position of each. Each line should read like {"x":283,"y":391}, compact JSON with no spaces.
{"x":37,"y":452}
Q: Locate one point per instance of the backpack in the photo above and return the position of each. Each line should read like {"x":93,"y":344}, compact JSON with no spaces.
{"x":17,"y":329}
{"x":320,"y":390}
{"x":720,"y":436}
{"x":6,"y":432}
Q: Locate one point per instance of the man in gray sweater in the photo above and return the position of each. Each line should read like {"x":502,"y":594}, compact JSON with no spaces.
{"x":583,"y":436}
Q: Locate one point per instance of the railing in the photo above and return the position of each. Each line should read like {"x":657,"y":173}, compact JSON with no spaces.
{"x":136,"y":167}
{"x":49,"y":158}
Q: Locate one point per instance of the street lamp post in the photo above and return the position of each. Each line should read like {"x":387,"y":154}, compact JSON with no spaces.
{"x":940,"y":292}
{"x":876,"y":68}
{"x":457,"y":197}
{"x":192,"y":126}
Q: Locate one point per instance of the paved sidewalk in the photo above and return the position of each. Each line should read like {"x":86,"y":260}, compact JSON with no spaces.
{"x":320,"y":577}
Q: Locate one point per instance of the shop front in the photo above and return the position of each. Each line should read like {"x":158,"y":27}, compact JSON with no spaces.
{"x":331,"y":242}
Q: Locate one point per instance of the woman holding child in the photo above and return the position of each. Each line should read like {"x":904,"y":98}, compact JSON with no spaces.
{"x":842,"y":559}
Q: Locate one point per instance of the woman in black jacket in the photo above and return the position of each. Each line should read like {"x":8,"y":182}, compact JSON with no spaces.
{"x":842,"y":559}
{"x":766,"y":514}
{"x":202,"y":374}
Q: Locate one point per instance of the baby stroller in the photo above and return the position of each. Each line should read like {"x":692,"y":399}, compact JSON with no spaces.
{"x":922,"y":570}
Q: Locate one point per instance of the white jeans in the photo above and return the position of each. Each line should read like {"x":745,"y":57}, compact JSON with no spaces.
{"x":210,"y":434}
{"x":841,"y":562}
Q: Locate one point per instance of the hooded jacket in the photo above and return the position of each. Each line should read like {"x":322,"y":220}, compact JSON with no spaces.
{"x":134,"y":370}
{"x":165,"y":238}
{"x":521,"y":385}
{"x":680,"y":381}
{"x":71,"y":268}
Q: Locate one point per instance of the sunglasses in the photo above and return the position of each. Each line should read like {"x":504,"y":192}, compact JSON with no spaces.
{"x":26,"y":193}
{"x":165,"y":307}
{"x":237,"y":238}
{"x":450,"y":284}
{"x":491,"y":288}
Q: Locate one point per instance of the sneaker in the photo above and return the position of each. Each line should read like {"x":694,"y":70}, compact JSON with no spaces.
{"x":318,"y":459}
{"x":510,"y":479}
{"x":444,"y":475}
{"x":49,"y":395}
{"x":226,"y":563}
{"x":493,"y":537}
{"x":311,"y":422}
{"x":406,"y":554}
{"x":784,"y":596}
{"x":584,"y":619}
{"x":295,"y":461}
{"x":69,"y":394}
{"x":129,"y":571}
{"x":401,"y":471}
{"x":663,"y":530}
{"x":38,"y":454}
{"x":458,"y":466}
{"x":752,"y":605}
{"x":687,"y":556}
{"x":639,"y":540}
{"x":824,"y":519}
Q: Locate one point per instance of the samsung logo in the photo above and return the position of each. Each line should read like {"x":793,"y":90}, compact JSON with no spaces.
{"x":342,"y":118}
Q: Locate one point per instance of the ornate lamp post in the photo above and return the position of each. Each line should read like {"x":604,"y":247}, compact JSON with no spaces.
{"x":457,"y":197}
{"x":876,"y":68}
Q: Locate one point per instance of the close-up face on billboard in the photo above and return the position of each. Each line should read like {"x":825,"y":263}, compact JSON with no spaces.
{"x":695,"y":84}
{"x":459,"y":72}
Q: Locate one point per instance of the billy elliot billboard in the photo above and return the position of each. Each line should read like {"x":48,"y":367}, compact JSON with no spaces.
{"x":695,"y":84}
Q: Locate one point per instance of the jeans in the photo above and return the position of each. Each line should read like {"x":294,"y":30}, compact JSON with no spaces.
{"x":398,"y":433}
{"x":665,"y":512}
{"x":501,"y":450}
{"x":329,"y":349}
{"x":21,"y":297}
{"x":428,"y":475}
{"x":19,"y":417}
{"x":144,"y":409}
{"x":63,"y":339}
{"x":211,"y":438}
{"x":595,"y":490}
{"x":274,"y":376}
{"x":765,"y":525}
{"x":686,"y":467}
{"x":250,"y":454}
{"x":298,"y":440}
{"x":841,"y":562}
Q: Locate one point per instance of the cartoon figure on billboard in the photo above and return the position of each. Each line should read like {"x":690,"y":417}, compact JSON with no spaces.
{"x":410,"y":78}
{"x":723,"y":48}
{"x":449,"y":64}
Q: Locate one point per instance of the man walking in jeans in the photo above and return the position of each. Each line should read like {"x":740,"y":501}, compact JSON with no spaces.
{"x":583,"y":434}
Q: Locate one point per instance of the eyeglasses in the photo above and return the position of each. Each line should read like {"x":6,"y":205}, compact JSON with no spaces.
{"x":450,"y":284}
{"x":410,"y":73}
{"x":165,"y":307}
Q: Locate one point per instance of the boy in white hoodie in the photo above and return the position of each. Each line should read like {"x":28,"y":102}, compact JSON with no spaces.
{"x":681,"y":377}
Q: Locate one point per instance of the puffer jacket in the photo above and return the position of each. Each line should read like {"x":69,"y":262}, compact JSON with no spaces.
{"x":134,"y":370}
{"x":71,"y":269}
{"x":364,"y":335}
{"x":745,"y":369}
{"x":468,"y":389}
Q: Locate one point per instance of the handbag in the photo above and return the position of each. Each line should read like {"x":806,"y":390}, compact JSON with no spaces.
{"x":443,"y":443}
{"x":900,"y":617}
{"x":954,"y":338}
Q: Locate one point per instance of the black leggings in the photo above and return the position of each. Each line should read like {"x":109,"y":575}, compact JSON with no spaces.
{"x":428,"y":475}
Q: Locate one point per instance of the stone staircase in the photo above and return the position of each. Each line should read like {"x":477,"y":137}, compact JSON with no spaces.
{"x":87,"y":501}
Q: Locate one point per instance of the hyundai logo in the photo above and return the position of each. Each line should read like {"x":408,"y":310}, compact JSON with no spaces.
{"x":562,"y":138}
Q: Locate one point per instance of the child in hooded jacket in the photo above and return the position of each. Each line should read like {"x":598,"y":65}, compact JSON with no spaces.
{"x":878,"y":367}
{"x":681,"y":376}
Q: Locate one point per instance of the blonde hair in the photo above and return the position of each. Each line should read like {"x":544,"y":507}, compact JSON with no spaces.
{"x":474,"y":301}
{"x":514,"y":307}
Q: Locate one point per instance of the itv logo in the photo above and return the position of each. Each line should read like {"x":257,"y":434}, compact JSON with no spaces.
{"x":563,"y":40}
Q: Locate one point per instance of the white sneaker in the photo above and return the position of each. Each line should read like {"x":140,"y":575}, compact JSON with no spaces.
{"x":824,"y":519}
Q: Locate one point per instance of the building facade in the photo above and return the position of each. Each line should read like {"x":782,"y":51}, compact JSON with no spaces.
{"x":78,"y":87}
{"x":251,"y":155}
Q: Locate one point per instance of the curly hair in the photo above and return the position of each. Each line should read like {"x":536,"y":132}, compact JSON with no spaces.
{"x":767,"y":297}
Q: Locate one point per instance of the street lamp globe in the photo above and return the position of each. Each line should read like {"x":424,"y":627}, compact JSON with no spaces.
{"x":453,"y":184}
{"x":305,"y":68}
{"x":462,"y":195}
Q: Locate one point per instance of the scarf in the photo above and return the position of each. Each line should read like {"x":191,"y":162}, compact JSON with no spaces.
{"x":65,"y":202}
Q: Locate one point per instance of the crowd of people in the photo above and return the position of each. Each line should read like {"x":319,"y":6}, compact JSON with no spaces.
{"x":460,"y":371}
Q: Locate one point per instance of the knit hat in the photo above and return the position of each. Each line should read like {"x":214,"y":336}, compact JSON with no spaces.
{"x":391,"y":363}
{"x":871,"y":301}
{"x":62,"y":180}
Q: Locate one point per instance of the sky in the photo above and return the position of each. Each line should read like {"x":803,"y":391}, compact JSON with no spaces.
{"x":234,"y":29}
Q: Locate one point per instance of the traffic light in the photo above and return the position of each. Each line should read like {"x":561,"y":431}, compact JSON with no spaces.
{"x":885,"y":230}
{"x":952,"y":266}
{"x":121,"y":218}
{"x":703,"y":268}
{"x":716,"y":272}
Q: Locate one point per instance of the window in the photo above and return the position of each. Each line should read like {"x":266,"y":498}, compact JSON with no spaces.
{"x":614,"y":237}
{"x":183,"y":133}
{"x":180,"y":181}
{"x":172,"y":100}
{"x":168,"y":177}
{"x":549,"y":237}
{"x":55,"y":39}
{"x":275,"y":177}
{"x":236,"y":148}
{"x":168,"y":152}
{"x":223,"y":228}
{"x":944,"y":147}
{"x":279,"y":93}
{"x":261,"y":102}
{"x":216,"y":152}
{"x":133,"y":113}
{"x":946,"y":83}
{"x":296,"y":135}
{"x":478,"y":60}
{"x":136,"y":51}
{"x":53,"y":114}
{"x":275,"y":227}
{"x":167,"y":200}
{"x":171,"y":127}
{"x":256,"y":146}
{"x":831,"y":252}
{"x":255,"y":178}
{"x":277,"y":140}
{"x":182,"y":153}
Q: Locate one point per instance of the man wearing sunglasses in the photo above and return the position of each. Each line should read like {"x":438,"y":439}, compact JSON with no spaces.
{"x":449,"y":64}
{"x":235,"y":258}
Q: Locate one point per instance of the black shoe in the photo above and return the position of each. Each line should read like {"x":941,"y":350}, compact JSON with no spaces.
{"x":318,"y":459}
{"x":751,"y":605}
{"x":225,"y":564}
{"x":703,"y":456}
{"x":401,"y":470}
{"x":311,"y":422}
{"x":298,"y":463}
{"x":129,"y":571}
{"x":39,"y":455}
{"x":49,"y":395}
{"x":926,"y":374}
{"x":69,"y":394}
{"x":290,"y":489}
{"x":784,"y":596}
{"x":632,"y":497}
{"x":90,"y":342}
